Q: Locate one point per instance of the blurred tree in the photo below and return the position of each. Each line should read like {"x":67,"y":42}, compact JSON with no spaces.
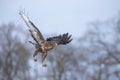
{"x":102,"y":43}
{"x":62,"y":61}
{"x":14,"y":55}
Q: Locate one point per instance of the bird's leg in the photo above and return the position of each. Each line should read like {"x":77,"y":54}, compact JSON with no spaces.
{"x":37,"y":50}
{"x":43,"y":58}
{"x":35,"y":55}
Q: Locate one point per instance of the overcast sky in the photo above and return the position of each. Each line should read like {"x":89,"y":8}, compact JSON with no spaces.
{"x":59,"y":16}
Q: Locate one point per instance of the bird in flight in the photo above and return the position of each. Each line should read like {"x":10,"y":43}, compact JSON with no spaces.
{"x":44,"y":45}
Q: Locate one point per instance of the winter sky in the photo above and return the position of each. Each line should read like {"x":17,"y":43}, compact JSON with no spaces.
{"x":59,"y":16}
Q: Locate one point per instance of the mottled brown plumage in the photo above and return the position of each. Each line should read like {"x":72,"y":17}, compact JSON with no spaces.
{"x":41,"y":44}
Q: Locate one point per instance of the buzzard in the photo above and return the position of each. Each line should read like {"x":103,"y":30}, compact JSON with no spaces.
{"x":41,"y":44}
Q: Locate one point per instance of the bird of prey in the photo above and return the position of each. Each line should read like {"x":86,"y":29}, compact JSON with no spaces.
{"x":41,"y":44}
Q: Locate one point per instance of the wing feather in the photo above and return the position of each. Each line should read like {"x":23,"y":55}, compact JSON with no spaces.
{"x":35,"y":33}
{"x":61,"y":39}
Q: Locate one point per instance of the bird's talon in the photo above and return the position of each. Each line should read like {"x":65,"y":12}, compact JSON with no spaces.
{"x":35,"y":58}
{"x":44,"y":65}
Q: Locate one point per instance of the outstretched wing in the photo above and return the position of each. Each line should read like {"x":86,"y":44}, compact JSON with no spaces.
{"x":35,"y":33}
{"x":61,"y":39}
